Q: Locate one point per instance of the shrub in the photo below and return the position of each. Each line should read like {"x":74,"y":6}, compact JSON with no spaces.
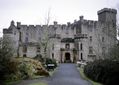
{"x":113,"y":53}
{"x":103,"y":71}
{"x":6,"y":53}
{"x":26,"y":70}
{"x":42,"y":73}
{"x":30,"y":67}
{"x":51,"y":61}
{"x":46,"y":61}
{"x":39,"y":58}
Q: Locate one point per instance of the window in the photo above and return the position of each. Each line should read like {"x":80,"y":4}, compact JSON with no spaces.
{"x":67,"y":31}
{"x":15,"y":33}
{"x":38,"y":49}
{"x":90,"y":38}
{"x":52,"y":55}
{"x":103,"y":51}
{"x":53,"y":47}
{"x":81,"y":56}
{"x":102,"y":39}
{"x":26,"y":39}
{"x":67,"y":46}
{"x":113,"y":23}
{"x":19,"y":36}
{"x":24,"y":49}
{"x":90,"y":50}
{"x":81,"y":46}
{"x":103,"y":29}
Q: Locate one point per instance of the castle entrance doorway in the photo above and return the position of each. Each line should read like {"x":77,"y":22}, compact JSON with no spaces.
{"x":67,"y":58}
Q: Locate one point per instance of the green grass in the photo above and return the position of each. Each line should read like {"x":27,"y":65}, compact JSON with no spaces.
{"x":38,"y":83}
{"x":52,"y":71}
{"x":86,"y":78}
{"x":12,"y":82}
{"x":37,"y":77}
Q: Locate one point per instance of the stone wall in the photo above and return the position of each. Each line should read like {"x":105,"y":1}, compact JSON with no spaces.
{"x":89,"y":39}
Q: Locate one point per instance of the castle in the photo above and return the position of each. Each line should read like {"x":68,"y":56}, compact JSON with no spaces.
{"x":85,"y":40}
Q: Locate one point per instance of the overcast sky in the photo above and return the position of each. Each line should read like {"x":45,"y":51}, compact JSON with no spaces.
{"x":63,"y":11}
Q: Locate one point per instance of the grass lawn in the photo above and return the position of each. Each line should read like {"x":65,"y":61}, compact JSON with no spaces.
{"x":53,"y":71}
{"x":12,"y":82}
{"x":38,"y":83}
{"x":86,"y":78}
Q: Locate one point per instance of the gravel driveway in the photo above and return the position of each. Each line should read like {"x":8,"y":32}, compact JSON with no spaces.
{"x":67,"y":74}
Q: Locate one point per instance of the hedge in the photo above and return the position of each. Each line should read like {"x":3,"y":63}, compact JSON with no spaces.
{"x":103,"y":71}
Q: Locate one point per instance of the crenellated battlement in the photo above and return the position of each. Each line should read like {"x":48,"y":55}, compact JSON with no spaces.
{"x":107,"y":10}
{"x":89,"y":22}
{"x":103,"y":16}
{"x":7,"y":31}
{"x":38,"y":26}
{"x":107,"y":15}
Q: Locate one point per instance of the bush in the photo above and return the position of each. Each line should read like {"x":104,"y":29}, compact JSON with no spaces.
{"x":39,"y":58}
{"x":51,"y":61}
{"x":46,"y":61}
{"x":6,"y":53}
{"x":30,"y":67}
{"x":103,"y":71}
{"x":113,"y":53}
{"x":42,"y":73}
{"x":25,"y":68}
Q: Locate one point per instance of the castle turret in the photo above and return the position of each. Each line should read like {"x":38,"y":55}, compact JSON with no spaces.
{"x":55,"y":22}
{"x":12,"y":23}
{"x":107,"y":15}
{"x":107,"y":24}
{"x":81,"y":18}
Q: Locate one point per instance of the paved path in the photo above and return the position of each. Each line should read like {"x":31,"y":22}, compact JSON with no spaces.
{"x":67,"y":74}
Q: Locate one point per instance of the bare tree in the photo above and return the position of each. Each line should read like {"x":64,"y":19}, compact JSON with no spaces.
{"x":44,"y":41}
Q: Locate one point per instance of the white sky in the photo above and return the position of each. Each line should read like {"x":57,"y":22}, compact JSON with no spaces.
{"x":63,"y":11}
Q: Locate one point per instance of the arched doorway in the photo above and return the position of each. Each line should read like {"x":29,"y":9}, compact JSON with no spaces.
{"x":67,"y":58}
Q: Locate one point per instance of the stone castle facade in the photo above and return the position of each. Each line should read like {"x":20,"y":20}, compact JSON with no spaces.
{"x":81,"y":40}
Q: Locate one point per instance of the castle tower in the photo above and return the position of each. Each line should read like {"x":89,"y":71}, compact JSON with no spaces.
{"x":107,"y":27}
{"x":107,"y":15}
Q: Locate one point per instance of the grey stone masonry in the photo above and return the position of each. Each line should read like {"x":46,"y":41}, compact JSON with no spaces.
{"x":84,"y":40}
